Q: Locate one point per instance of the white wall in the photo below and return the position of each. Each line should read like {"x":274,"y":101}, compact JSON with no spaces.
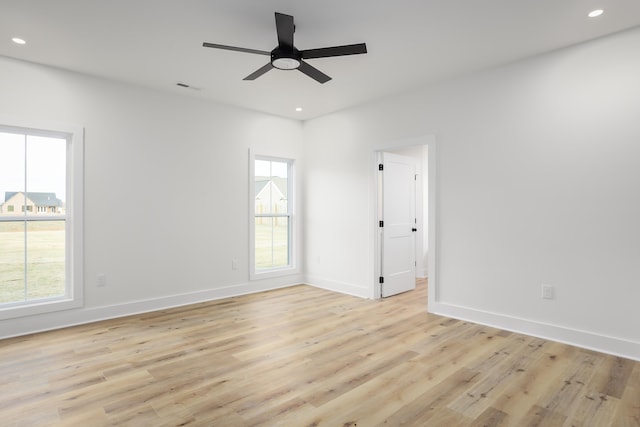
{"x":538,"y":172}
{"x":145,"y":154}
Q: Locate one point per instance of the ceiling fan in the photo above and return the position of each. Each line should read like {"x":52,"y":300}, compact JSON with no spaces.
{"x":285,"y":56}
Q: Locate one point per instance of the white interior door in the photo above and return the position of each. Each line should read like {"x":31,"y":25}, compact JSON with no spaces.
{"x":397,"y":213}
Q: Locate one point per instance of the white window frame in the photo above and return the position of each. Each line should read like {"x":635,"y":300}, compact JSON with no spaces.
{"x":256,"y":274}
{"x":74,"y":251}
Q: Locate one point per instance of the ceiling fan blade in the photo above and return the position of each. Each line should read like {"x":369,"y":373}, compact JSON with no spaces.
{"x":285,"y":29}
{"x":260,"y":71}
{"x":313,"y":72}
{"x":325,"y":52}
{"x":237,"y":49}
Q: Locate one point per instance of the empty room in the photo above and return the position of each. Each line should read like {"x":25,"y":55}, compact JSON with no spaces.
{"x":297,"y":213}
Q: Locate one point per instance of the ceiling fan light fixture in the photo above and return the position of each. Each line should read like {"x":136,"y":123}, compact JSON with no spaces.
{"x":286,"y":58}
{"x":285,"y":63}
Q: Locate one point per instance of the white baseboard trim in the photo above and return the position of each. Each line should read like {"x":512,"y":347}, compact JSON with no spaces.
{"x":341,"y":287}
{"x":62,"y":319}
{"x":588,"y":340}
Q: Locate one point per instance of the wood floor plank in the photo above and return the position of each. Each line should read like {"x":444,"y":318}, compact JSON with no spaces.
{"x":432,"y":404}
{"x":445,"y":417}
{"x":628,"y":411}
{"x":592,"y":409}
{"x":541,"y":417}
{"x":564,"y":395}
{"x":304,"y":356}
{"x":328,"y":388}
{"x":88,"y":416}
{"x":478,"y":398}
{"x":490,"y":417}
{"x":524,"y":391}
{"x":611,"y":379}
{"x":382,"y":397}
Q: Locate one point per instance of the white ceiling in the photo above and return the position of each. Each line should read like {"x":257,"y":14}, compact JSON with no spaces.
{"x":158,"y":43}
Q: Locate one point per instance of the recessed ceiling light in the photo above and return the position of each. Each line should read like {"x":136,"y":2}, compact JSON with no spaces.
{"x":18,"y":40}
{"x":595,"y":13}
{"x":298,"y":109}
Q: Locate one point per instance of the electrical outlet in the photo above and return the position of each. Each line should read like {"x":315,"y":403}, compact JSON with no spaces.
{"x":101,"y":280}
{"x":234,"y":264}
{"x":548,"y":292}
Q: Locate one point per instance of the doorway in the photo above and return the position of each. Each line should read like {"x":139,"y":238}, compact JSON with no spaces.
{"x":422,"y":151}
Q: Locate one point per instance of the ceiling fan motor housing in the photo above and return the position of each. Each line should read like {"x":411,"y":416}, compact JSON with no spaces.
{"x":286,"y":59}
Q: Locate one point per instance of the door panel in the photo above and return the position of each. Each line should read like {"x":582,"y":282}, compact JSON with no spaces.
{"x":398,"y":266}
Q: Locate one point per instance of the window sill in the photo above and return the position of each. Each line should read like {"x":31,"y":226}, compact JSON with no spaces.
{"x":273,"y":272}
{"x":45,"y":306}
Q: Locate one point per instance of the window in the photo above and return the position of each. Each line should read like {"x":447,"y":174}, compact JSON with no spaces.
{"x":41,"y":242}
{"x":272,"y":216}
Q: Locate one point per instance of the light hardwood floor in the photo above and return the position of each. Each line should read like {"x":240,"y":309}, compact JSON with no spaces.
{"x":308,"y":357}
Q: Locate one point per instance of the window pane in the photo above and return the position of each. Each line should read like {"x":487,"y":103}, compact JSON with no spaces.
{"x":262,"y":177}
{"x":12,"y":153}
{"x":45,"y":259}
{"x":263,"y":195}
{"x":12,"y":286}
{"x":279,"y":180}
{"x":271,"y":187}
{"x":263,"y":168}
{"x":46,"y":175}
{"x":271,"y":242}
{"x":280,"y":241}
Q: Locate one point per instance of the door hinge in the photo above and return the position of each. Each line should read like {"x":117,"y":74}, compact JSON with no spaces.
{"x":415,"y":177}
{"x":381,"y":280}
{"x":380,"y":167}
{"x":381,"y":223}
